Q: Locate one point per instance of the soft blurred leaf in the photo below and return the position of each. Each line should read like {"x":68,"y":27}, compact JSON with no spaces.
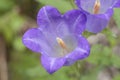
{"x":10,"y":24}
{"x":62,"y":5}
{"x":110,"y":36}
{"x":5,"y":5}
{"x":18,"y":45}
{"x":117,"y":77}
{"x":92,"y":75}
{"x":116,"y":61}
{"x":117,"y":16}
{"x":100,"y":55}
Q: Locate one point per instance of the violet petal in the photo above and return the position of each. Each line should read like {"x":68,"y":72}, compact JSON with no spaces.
{"x":52,"y":64}
{"x":96,"y":23}
{"x":117,"y":5}
{"x":34,"y":40}
{"x":81,"y":51}
{"x":76,"y":21}
{"x":48,"y":16}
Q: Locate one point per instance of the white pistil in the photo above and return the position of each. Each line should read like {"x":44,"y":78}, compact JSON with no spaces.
{"x":96,"y":8}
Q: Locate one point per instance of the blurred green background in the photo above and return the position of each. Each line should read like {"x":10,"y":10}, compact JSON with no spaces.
{"x":17,"y":16}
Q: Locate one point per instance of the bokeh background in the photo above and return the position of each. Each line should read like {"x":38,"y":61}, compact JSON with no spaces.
{"x":19,"y":63}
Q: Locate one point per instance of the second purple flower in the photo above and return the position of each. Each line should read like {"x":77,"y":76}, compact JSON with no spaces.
{"x":98,"y":12}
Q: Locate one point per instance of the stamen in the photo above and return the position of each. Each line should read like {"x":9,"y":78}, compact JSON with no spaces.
{"x":96,"y":8}
{"x":61,"y":43}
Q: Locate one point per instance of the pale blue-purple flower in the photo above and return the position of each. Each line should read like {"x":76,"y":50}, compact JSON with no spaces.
{"x":98,"y":13}
{"x":58,"y":38}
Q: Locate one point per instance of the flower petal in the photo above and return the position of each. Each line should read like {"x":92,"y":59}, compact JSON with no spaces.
{"x":34,"y":40}
{"x":52,"y":64}
{"x":37,"y":41}
{"x":106,"y":4}
{"x":50,"y":20}
{"x":76,"y":21}
{"x":96,"y":23}
{"x":117,"y":5}
{"x":86,"y":5}
{"x":48,"y":16}
{"x":81,"y":52}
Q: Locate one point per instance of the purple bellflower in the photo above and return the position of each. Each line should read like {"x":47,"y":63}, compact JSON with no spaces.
{"x":98,"y":12}
{"x":58,"y":38}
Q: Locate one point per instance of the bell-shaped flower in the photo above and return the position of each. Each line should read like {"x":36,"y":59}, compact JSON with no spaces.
{"x":98,"y":12}
{"x":58,"y":38}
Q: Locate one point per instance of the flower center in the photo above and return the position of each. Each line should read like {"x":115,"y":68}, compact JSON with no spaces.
{"x":62,"y":45}
{"x":96,"y":8}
